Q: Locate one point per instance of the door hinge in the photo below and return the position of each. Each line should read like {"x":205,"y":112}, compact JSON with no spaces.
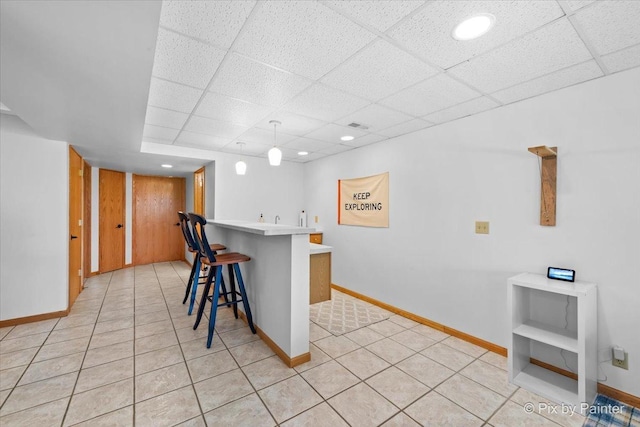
{"x":80,"y":272}
{"x":80,"y":222}
{"x":80,"y":172}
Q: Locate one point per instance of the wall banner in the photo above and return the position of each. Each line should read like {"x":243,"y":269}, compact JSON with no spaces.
{"x":364,"y":201}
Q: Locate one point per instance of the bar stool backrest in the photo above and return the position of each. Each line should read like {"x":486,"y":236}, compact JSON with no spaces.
{"x":186,"y":232}
{"x":198,"y":222}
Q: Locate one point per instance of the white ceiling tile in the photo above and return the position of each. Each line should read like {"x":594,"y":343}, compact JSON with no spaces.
{"x":578,"y":4}
{"x":406,"y":127}
{"x":428,"y":32}
{"x":307,"y":144}
{"x":252,"y":81}
{"x":291,"y":154}
{"x":158,"y":132}
{"x":380,"y":14}
{"x":217,"y":22}
{"x":173,"y":96}
{"x":324,"y":103}
{"x":378,"y":71}
{"x":214,"y":127}
{"x":332,"y":133}
{"x":198,"y":140}
{"x":292,"y":123}
{"x":166,"y":118}
{"x":156,"y":141}
{"x":303,"y":37}
{"x":249,"y":148}
{"x":611,"y":25}
{"x":375,"y":117}
{"x":431,"y":95}
{"x":216,"y":106}
{"x":548,"y":49}
{"x":185,"y":60}
{"x":461,"y":110}
{"x":365,"y":140}
{"x":557,"y":80}
{"x":335,"y":149}
{"x":309,"y":157}
{"x":264,"y":136}
{"x":623,"y":59}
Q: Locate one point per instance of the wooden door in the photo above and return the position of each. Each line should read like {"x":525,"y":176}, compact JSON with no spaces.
{"x":156,"y":230}
{"x":112,"y":226}
{"x":86,"y":222}
{"x":198,"y":191}
{"x":75,"y":225}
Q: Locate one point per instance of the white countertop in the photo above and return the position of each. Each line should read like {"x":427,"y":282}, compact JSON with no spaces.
{"x":262,"y":228}
{"x":319,"y":249}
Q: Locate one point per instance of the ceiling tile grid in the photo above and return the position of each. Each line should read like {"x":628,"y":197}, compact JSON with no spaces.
{"x":221,"y":107}
{"x":252,"y":81}
{"x":199,"y":140}
{"x":462,"y":110}
{"x":218,"y":22}
{"x":611,"y":25}
{"x":623,"y":60}
{"x":431,"y":95}
{"x":556,"y":80}
{"x":376,"y":117}
{"x":214,"y":127}
{"x":333,"y":132}
{"x":167,"y":118}
{"x":291,"y":123}
{"x":380,"y":14}
{"x":264,"y":136}
{"x":428,"y":33}
{"x":308,"y":144}
{"x":378,"y":71}
{"x":185,"y":60}
{"x":303,"y":37}
{"x":322,"y":102}
{"x":364,"y":140}
{"x":248,"y":148}
{"x":548,"y":49}
{"x":158,"y":132}
{"x":578,"y":4}
{"x":173,"y":96}
{"x":406,"y":127}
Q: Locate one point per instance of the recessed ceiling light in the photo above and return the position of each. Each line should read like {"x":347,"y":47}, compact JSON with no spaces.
{"x":347,"y":138}
{"x":473,"y":27}
{"x":303,"y":153}
{"x":167,"y":166}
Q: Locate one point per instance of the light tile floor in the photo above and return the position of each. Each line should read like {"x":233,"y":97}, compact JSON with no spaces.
{"x":127,"y":355}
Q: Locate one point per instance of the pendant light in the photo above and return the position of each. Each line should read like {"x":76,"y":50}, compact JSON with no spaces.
{"x":241,"y":166}
{"x":275,"y":155}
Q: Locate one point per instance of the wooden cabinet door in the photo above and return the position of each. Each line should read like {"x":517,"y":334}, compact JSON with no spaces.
{"x":156,"y":230}
{"x":112,"y":224}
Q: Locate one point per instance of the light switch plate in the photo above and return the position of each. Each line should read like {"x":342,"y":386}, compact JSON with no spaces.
{"x":482,"y":227}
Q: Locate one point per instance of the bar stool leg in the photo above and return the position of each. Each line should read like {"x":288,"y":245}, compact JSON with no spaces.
{"x":194,"y":284}
{"x":203,"y":300}
{"x":214,"y":305}
{"x":232,"y":291}
{"x":193,"y":270}
{"x":245,"y":299}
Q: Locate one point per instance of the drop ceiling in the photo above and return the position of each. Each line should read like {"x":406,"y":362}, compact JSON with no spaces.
{"x":222,"y":70}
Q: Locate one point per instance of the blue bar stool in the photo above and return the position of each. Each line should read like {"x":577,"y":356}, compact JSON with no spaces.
{"x":194,"y":277}
{"x":216,"y":263}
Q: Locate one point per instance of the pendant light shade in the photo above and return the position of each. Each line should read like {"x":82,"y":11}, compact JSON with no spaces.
{"x":241,"y":168}
{"x":275,"y":155}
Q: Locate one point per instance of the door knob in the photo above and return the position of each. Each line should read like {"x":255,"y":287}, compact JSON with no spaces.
{"x":73,"y":237}
{"x":119,"y":226}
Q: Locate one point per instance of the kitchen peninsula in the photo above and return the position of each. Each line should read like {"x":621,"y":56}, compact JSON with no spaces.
{"x":277,"y":281}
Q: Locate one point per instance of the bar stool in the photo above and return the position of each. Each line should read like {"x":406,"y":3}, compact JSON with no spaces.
{"x":194,"y":277}
{"x":215,"y":272}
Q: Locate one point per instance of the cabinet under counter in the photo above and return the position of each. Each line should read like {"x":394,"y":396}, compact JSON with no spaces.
{"x":319,"y":273}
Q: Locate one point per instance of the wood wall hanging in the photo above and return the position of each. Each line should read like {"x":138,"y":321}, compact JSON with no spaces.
{"x":548,"y":163}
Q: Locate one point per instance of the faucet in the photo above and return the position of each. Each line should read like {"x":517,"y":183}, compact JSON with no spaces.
{"x":277,"y":218}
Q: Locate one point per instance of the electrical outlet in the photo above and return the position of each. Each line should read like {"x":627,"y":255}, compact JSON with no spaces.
{"x":621,"y":363}
{"x":482,"y":227}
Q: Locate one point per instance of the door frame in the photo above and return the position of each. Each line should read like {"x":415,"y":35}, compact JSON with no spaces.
{"x":199,"y":194}
{"x":76,"y":228}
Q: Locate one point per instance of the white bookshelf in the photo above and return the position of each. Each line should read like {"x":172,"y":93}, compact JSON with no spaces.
{"x":526,"y":330}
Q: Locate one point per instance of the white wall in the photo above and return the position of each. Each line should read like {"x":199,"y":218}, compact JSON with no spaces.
{"x":442,"y":179}
{"x":34,"y":206}
{"x":265,"y":189}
